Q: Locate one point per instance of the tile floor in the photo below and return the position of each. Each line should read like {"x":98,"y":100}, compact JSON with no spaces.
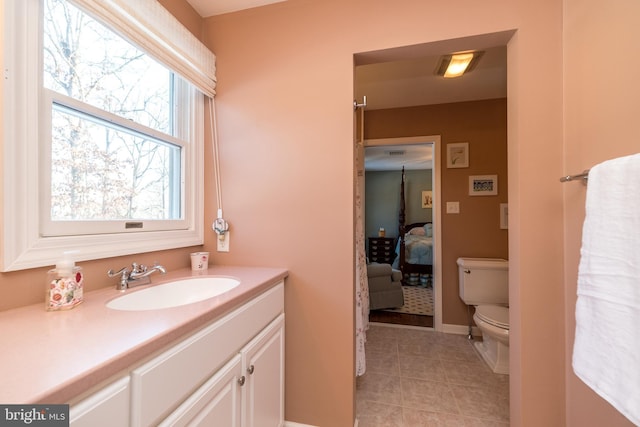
{"x":420,"y":378}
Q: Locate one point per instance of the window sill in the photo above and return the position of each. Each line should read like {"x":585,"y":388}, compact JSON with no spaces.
{"x":47,"y":251}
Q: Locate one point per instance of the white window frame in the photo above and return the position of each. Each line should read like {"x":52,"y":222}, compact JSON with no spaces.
{"x":24,"y":111}
{"x":49,"y":227}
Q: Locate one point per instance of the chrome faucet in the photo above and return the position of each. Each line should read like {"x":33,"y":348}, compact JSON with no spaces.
{"x":139,"y":275}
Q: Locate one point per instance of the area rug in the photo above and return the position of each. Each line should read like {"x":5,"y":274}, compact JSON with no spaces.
{"x":417,"y":300}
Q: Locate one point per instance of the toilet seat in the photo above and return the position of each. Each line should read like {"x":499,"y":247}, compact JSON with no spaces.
{"x":495,"y":315}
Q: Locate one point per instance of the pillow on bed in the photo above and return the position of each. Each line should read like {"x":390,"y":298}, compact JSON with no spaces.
{"x":417,"y":231}
{"x":428,"y":229}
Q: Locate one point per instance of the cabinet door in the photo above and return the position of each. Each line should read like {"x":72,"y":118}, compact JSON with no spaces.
{"x":215,"y":403}
{"x":108,"y":407}
{"x":263,"y":363}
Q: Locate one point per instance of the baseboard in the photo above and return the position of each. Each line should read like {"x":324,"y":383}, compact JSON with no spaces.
{"x":292,"y":424}
{"x":447,"y":329}
{"x":395,"y":325}
{"x":460,"y":330}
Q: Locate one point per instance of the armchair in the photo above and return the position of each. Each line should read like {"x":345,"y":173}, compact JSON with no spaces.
{"x":385,"y":287}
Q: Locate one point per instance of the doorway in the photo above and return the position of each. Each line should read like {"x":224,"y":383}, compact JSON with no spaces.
{"x":384,"y":160}
{"x":454,"y":117}
{"x":405,"y":97}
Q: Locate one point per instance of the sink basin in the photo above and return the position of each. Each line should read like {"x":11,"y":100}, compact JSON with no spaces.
{"x":174,"y":294}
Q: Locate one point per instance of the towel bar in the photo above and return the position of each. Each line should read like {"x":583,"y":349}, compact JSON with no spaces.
{"x":584,"y":176}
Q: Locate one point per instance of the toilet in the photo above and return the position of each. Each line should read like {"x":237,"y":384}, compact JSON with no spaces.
{"x":484,"y":283}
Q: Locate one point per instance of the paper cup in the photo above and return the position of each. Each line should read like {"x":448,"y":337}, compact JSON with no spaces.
{"x":199,"y":261}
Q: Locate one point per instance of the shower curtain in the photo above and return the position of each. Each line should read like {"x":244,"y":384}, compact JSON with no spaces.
{"x":362,"y":284}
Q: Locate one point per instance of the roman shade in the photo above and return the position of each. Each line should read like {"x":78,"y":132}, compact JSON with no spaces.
{"x":161,"y":35}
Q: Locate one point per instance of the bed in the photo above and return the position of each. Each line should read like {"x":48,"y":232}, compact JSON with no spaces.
{"x":414,"y":250}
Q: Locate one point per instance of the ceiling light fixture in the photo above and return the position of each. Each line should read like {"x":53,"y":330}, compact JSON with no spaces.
{"x":457,"y":64}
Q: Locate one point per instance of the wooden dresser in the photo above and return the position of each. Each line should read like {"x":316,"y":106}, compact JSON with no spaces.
{"x":382,"y":250}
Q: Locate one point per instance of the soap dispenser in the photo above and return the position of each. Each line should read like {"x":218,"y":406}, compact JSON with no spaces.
{"x":64,"y":285}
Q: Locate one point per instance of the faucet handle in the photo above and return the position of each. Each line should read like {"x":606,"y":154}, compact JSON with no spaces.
{"x":111,"y":273}
{"x":124,"y":277}
{"x":138,"y":268}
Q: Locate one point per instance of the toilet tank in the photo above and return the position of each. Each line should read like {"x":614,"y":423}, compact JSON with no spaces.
{"x":483,"y":281}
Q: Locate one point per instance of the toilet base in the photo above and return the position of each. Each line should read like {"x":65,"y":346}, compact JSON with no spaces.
{"x":494,"y":353}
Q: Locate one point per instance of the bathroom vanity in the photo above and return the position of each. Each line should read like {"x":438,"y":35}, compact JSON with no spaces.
{"x":221,"y":359}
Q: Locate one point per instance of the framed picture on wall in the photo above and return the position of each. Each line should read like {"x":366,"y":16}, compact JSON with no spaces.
{"x":483,"y":185}
{"x":427,"y":199}
{"x":458,"y":155}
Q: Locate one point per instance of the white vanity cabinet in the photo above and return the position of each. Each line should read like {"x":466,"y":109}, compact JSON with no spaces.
{"x":229,"y":373}
{"x":247,"y":392}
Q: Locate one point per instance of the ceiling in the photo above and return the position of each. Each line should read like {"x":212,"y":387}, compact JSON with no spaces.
{"x":405,"y":77}
{"x":206,"y":8}
{"x":412,"y":82}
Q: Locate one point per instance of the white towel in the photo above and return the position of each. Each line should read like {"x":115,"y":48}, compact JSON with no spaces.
{"x":606,"y":351}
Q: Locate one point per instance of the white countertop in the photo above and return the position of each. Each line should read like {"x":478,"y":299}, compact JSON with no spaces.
{"x":51,"y":357}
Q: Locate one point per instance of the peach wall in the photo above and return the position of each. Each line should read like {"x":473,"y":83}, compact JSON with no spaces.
{"x":601,"y":107}
{"x":286,"y":129}
{"x":535,"y":207}
{"x":184,"y":13}
{"x":475,"y":231}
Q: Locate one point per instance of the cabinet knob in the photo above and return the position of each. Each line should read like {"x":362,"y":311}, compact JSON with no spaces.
{"x":250,"y":369}
{"x":241,"y":380}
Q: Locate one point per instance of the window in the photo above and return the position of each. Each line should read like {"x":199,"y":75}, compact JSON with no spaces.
{"x":116,"y":153}
{"x":116,"y":136}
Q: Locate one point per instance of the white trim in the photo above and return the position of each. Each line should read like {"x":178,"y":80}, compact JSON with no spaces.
{"x":437,"y":206}
{"x":461,"y":330}
{"x":292,"y":424}
{"x":437,"y":232}
{"x":428,"y":139}
{"x":51,"y":228}
{"x":446,"y":328}
{"x":399,"y":326}
{"x":50,"y":98}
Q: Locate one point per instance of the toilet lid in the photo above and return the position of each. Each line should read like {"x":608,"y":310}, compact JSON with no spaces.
{"x":494,"y":315}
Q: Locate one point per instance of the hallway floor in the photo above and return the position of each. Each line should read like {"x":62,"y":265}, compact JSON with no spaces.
{"x":420,"y":378}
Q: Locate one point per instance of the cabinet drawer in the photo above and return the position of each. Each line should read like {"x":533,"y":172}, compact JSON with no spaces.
{"x":381,"y":243}
{"x":161,"y":384}
{"x":381,"y":247}
{"x":381,"y":252}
